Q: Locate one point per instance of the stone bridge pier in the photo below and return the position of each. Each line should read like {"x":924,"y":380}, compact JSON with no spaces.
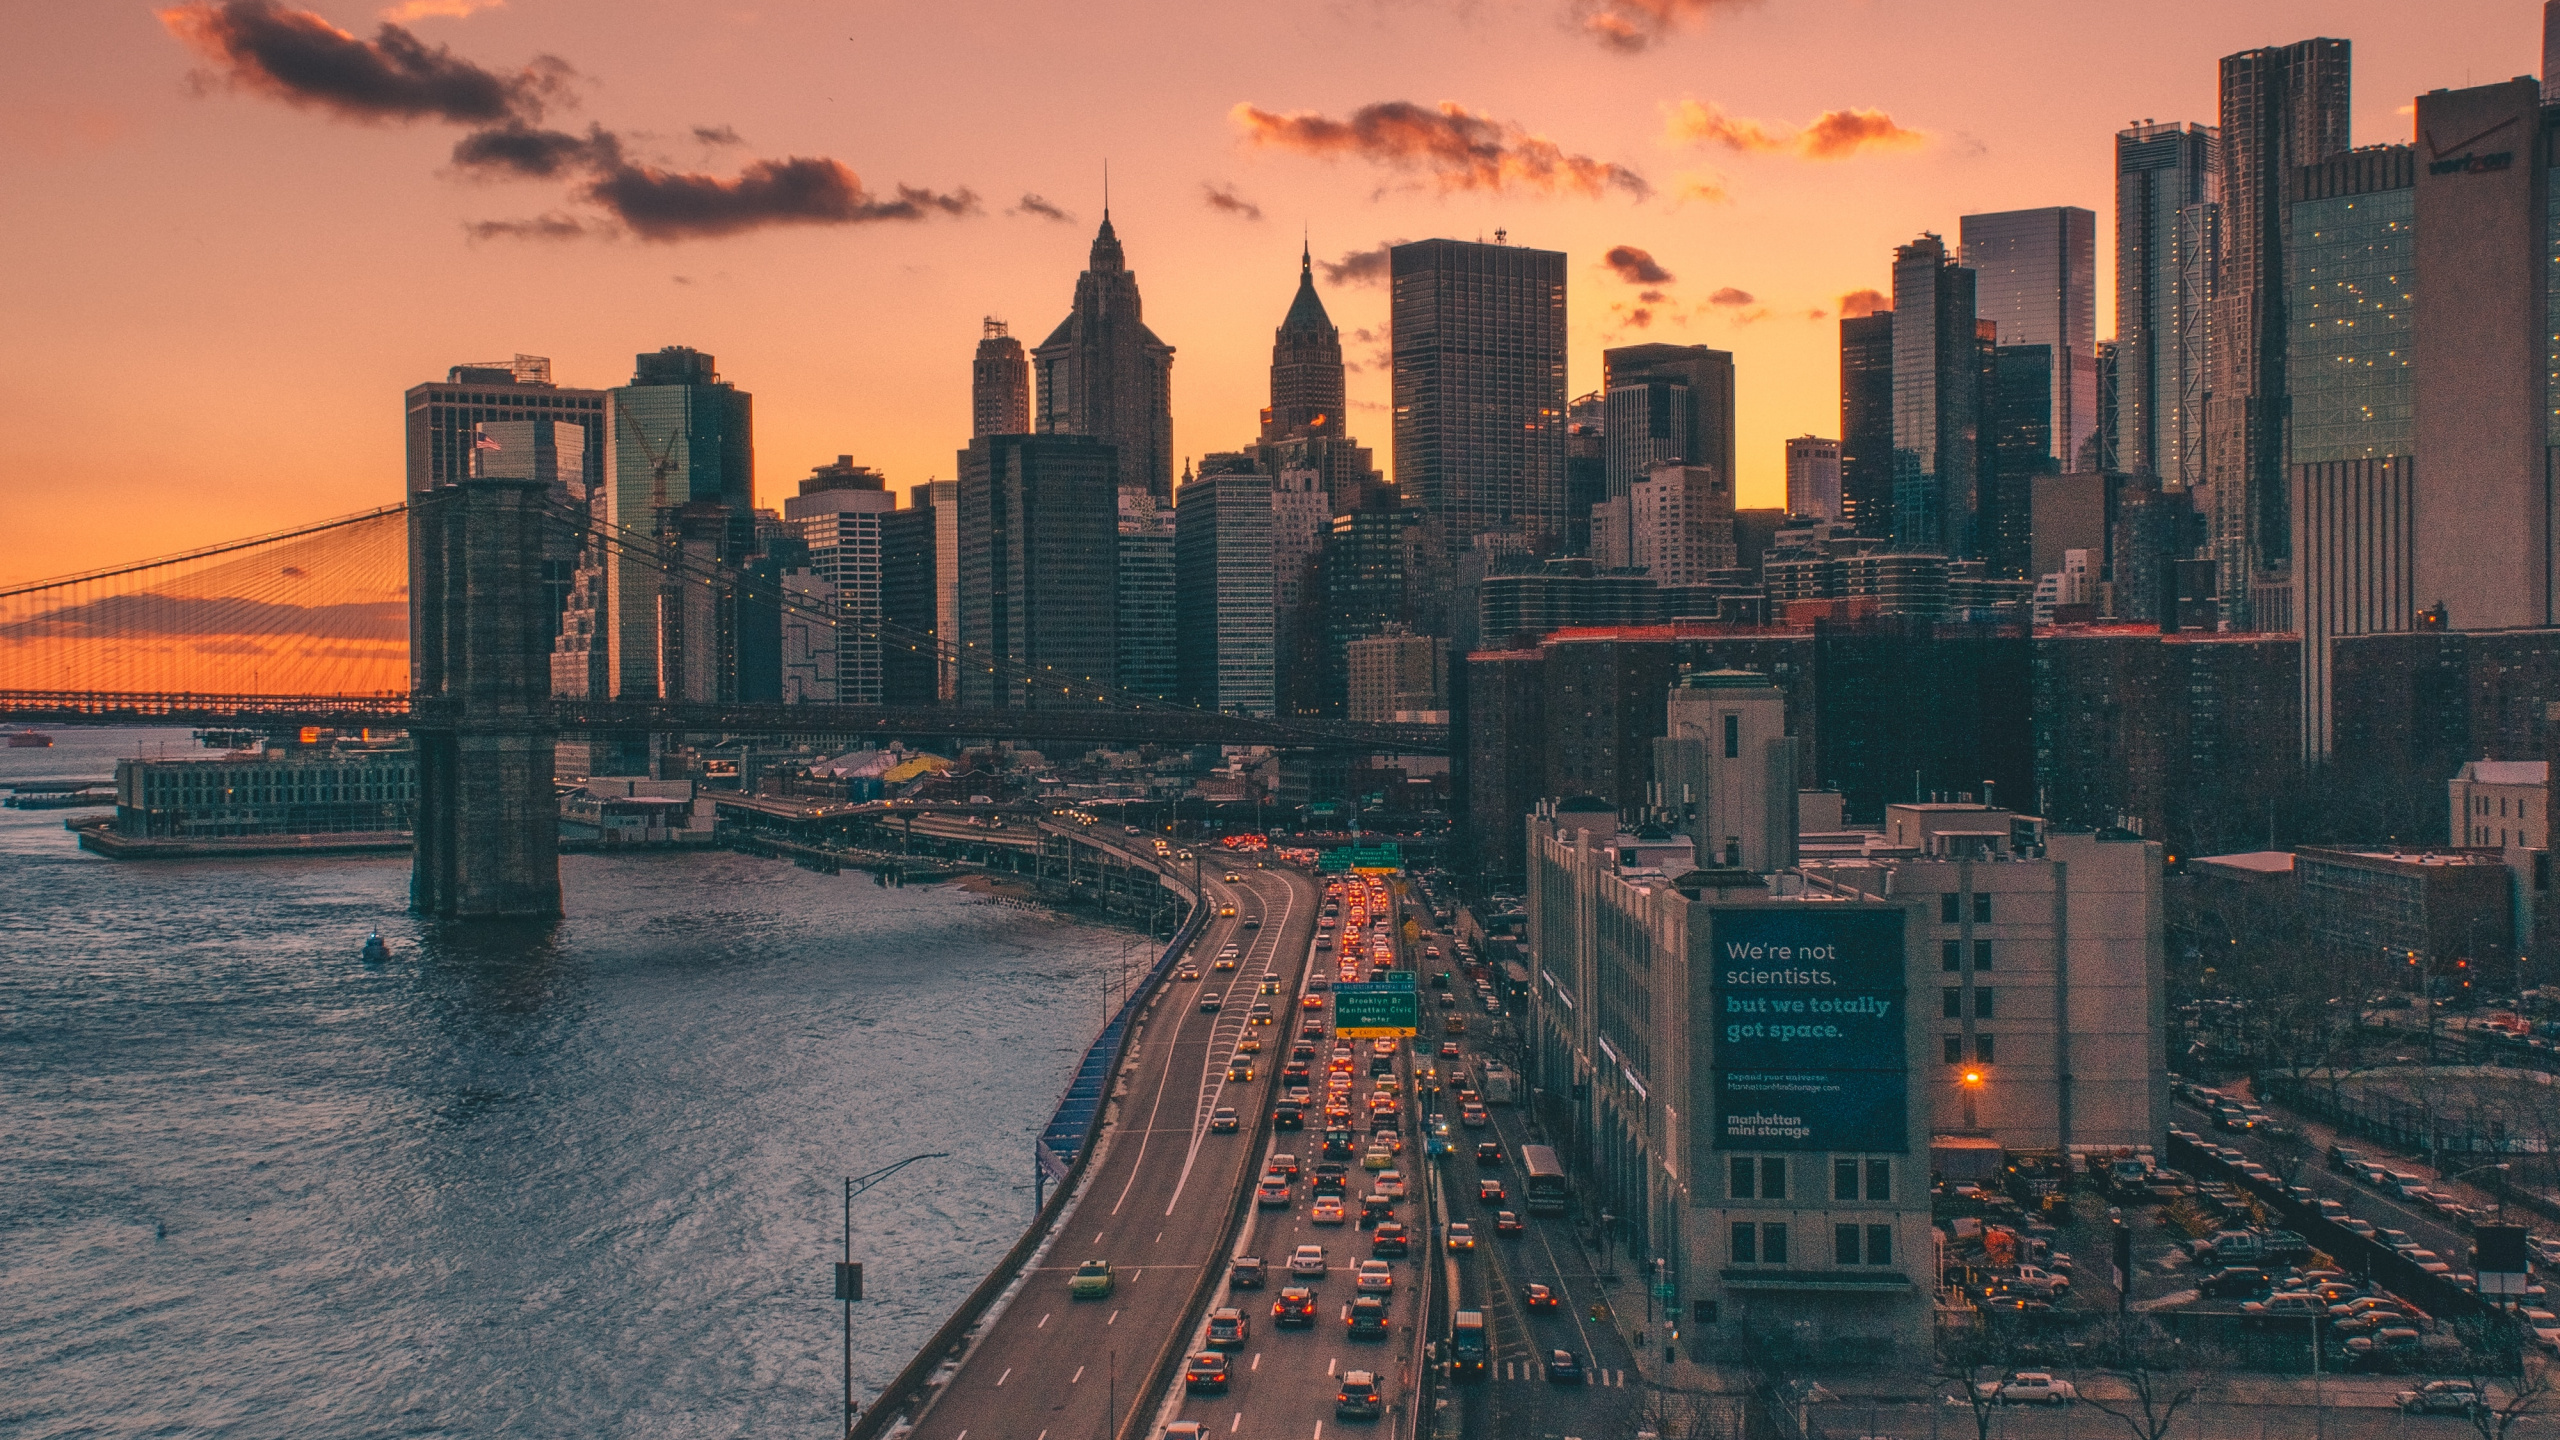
{"x":488,"y":826}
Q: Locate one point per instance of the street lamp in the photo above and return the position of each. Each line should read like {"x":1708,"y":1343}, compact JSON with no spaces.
{"x":2501,"y":1167}
{"x":849,"y":1275}
{"x":1971,"y":1084}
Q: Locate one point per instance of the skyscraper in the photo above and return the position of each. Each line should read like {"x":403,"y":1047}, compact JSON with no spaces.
{"x":912,"y":628}
{"x":1866,"y":423}
{"x":999,"y":383}
{"x":679,"y":466}
{"x":2168,"y":255}
{"x":440,"y":414}
{"x":2018,"y":446}
{"x":1224,"y":598}
{"x":1648,"y":424}
{"x":1708,"y":374}
{"x":1813,"y":477}
{"x":2036,"y":278}
{"x":1039,"y":522}
{"x":2283,"y":107}
{"x":1148,"y":613}
{"x":1479,"y":353}
{"x":1586,"y":468}
{"x":1103,"y":373}
{"x":1306,"y":365}
{"x":839,"y":512}
{"x":1937,"y":400}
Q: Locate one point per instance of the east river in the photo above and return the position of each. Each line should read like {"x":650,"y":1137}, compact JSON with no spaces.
{"x":580,"y":1178}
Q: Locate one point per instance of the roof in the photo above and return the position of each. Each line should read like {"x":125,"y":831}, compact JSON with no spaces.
{"x":2506,"y":772}
{"x":2265,"y":862}
{"x":1306,"y":311}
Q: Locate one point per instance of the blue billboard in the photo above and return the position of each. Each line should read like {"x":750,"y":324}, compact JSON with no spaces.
{"x":1804,"y":1024}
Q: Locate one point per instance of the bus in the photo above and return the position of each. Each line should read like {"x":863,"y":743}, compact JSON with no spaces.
{"x":1546,"y":1188}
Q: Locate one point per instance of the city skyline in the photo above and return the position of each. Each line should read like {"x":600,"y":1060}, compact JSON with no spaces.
{"x":372,"y":223}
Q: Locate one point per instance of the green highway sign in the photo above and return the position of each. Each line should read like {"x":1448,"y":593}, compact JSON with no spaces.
{"x":1369,"y":1012}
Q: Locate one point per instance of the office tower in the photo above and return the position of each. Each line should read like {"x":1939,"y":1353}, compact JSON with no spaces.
{"x":1479,"y":354}
{"x":1813,"y":478}
{"x":1681,"y":520}
{"x":440,"y":415}
{"x":2098,"y":451}
{"x":2018,"y":434}
{"x":1039,"y":526}
{"x":1937,"y":400}
{"x":1866,"y":423}
{"x":1223,"y":593}
{"x":1103,"y":373}
{"x":1301,"y":518}
{"x":912,"y":632}
{"x":1367,"y":566}
{"x":1648,"y":425}
{"x":999,"y":383}
{"x":1396,"y":673}
{"x":942,"y":497}
{"x":2283,"y":107}
{"x":553,"y":453}
{"x":1586,"y":468}
{"x":1148,"y":618}
{"x":2168,"y":256}
{"x":1306,"y":365}
{"x":839,"y":511}
{"x":1707,"y":438}
{"x":2036,"y":278}
{"x":679,"y":468}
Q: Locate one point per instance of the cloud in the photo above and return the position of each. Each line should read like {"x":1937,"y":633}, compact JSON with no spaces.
{"x":1863,"y":302}
{"x":552,"y":226}
{"x":1635,"y":24}
{"x":1368,"y":336}
{"x":1833,"y":135}
{"x":439,"y":9}
{"x":1359,"y":267}
{"x":1691,"y":185}
{"x":1731,"y":296}
{"x":1640,"y":318}
{"x":1032,"y":204}
{"x":302,"y":59}
{"x":533,"y":154}
{"x":1653,"y":297}
{"x":1635,"y":266}
{"x":1458,"y":148}
{"x":682,"y":205}
{"x":717,"y":135}
{"x":1224,"y":197}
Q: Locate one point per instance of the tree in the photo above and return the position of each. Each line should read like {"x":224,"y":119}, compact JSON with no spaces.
{"x":2164,"y":1374}
{"x":1968,"y":1359}
{"x":2511,"y":1384}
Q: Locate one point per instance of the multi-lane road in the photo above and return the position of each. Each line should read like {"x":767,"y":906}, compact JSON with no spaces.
{"x":1156,"y":1199}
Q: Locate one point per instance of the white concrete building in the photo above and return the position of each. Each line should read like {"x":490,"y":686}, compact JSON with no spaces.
{"x":1681,"y":521}
{"x":2498,"y":803}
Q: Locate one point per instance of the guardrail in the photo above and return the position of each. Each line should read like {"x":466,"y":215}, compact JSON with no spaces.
{"x":897,"y":1397}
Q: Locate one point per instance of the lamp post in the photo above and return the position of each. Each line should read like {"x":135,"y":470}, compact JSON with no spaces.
{"x":1971,"y":1087}
{"x":2501,"y":1167}
{"x":849,"y":1275}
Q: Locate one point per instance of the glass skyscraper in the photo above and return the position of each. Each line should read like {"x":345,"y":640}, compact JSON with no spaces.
{"x":679,"y":456}
{"x":1937,"y":395}
{"x":1479,"y":354}
{"x":2036,"y":278}
{"x":1866,"y":423}
{"x":2168,"y":248}
{"x":1225,"y":617}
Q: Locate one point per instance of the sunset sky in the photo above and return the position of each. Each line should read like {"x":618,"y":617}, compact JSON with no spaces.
{"x":237,"y":233}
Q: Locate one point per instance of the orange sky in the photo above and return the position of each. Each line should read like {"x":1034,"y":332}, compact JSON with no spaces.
{"x":216,"y":297}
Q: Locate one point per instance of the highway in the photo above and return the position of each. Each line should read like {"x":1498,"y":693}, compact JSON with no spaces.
{"x":1156,"y":1198}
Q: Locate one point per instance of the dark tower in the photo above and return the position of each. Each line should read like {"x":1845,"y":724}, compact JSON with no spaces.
{"x":1103,"y":373}
{"x":1000,"y":384}
{"x":1306,"y":365}
{"x":1866,"y":422}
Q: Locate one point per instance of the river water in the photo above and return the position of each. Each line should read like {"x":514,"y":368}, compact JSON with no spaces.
{"x":573,"y":1178}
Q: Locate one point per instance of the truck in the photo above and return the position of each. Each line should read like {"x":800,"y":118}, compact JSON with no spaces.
{"x":1468,"y":1347}
{"x":1501,"y":1084}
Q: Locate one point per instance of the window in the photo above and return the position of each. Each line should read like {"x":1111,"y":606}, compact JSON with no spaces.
{"x":1981,"y":954}
{"x":1733,"y":737}
{"x":1746,"y":1243}
{"x":1951,"y":955}
{"x":1743,"y":1169}
{"x":1844,"y":1244}
{"x":1982,"y":1002}
{"x":1947,"y":913}
{"x":1951,"y":1003}
{"x":1879,"y":1244}
{"x":1773,"y":1244}
{"x":1844,"y":1179}
{"x":1773,"y":1179}
{"x":1955,"y":1049}
{"x":1981,"y":908}
{"x":1879,"y":1180}
{"x":1982,"y":1049}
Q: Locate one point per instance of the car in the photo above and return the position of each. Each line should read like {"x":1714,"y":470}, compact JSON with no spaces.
{"x":1211,"y":1000}
{"x":1307,"y":1262}
{"x":2441,"y":1397}
{"x":1295,"y":1309}
{"x":1092,"y":1280}
{"x":1233,"y":877}
{"x":1539,"y":1297}
{"x":1390,"y":1183}
{"x":1358,"y":1397}
{"x":2028,"y":1387}
{"x":1326,"y":1211}
{"x":1377,"y":1157}
{"x":1389,"y":1239}
{"x":1462,"y":1236}
{"x":1284,"y":1162}
{"x":1223,"y":1121}
{"x":1240,"y":1072}
{"x":1260,"y":1015}
{"x":1489,"y":1192}
{"x":1272,"y":1193}
{"x":1563,"y":1368}
{"x":1224,"y":962}
{"x":1474,"y":1117}
{"x":1228,"y":1329}
{"x":1389,"y":1139}
{"x":1246,"y":1273}
{"x":1187,"y":972}
{"x":1506,"y":1223}
{"x":1374,"y":1275}
{"x":1367,"y":1317}
{"x":1207,"y":1371}
{"x":1311,"y":1000}
{"x":1185,"y":1430}
{"x":1488,"y":1152}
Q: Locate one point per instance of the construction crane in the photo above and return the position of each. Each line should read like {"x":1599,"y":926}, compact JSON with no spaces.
{"x":662,"y":460}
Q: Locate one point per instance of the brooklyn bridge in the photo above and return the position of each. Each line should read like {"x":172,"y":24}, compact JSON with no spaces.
{"x":438,"y":616}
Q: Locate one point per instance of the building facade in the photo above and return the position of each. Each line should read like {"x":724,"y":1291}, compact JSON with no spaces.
{"x":679,"y":463}
{"x":839,"y":511}
{"x":1680,"y":523}
{"x":1148,"y":616}
{"x":1103,"y":373}
{"x":1866,"y":423}
{"x":2036,"y":279}
{"x":1813,"y":478}
{"x":2499,"y":803}
{"x":1224,"y":631}
{"x":439,"y":416}
{"x":2168,"y":257}
{"x":298,"y":791}
{"x":999,"y":383}
{"x":1039,"y":526}
{"x":1937,"y":400}
{"x":1478,"y":349}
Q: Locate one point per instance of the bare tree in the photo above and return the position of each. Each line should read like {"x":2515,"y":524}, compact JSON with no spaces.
{"x":2511,"y":1383}
{"x":1971,"y":1362}
{"x":2164,"y":1374}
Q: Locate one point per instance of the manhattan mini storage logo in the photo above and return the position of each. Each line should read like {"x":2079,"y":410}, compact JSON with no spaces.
{"x":1765,"y":1126}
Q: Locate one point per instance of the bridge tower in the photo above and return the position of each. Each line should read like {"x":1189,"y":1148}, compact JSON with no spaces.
{"x":488,"y":826}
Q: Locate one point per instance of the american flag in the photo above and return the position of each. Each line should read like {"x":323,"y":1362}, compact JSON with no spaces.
{"x":484,"y":441}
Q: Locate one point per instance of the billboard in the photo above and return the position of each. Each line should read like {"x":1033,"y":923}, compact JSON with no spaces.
{"x":1803,"y":1021}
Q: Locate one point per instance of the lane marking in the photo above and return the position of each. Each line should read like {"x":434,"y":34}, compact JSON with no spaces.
{"x":1329,"y":1363}
{"x":1236,"y":1424}
{"x":1115,"y":1318}
{"x":1007,"y":1375}
{"x":1076,"y":1376}
{"x":1257,"y":1361}
{"x":1044,"y":1323}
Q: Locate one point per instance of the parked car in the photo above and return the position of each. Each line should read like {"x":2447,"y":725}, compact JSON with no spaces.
{"x":2028,"y":1387}
{"x":2441,"y":1397}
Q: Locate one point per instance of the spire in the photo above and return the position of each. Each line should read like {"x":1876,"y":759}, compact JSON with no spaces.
{"x":1306,"y":311}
